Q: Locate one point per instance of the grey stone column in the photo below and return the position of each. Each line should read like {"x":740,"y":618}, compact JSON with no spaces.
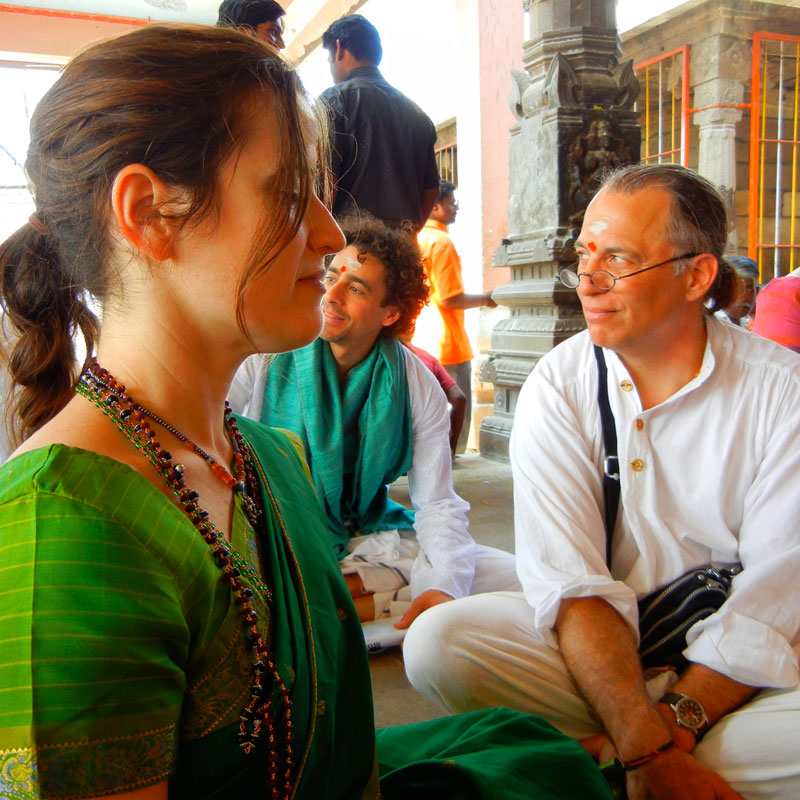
{"x":574,"y":119}
{"x":720,"y":70}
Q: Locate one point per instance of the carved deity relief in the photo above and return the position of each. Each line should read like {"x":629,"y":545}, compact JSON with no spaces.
{"x":590,"y":156}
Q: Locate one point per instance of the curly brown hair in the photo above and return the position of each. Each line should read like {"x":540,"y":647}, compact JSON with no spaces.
{"x":406,"y":283}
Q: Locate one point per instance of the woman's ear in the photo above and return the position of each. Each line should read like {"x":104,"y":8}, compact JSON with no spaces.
{"x":138,"y":197}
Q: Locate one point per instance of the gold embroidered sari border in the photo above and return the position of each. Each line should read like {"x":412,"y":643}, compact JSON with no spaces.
{"x":88,"y":768}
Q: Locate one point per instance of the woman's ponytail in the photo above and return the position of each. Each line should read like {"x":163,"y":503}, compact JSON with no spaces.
{"x":43,"y":312}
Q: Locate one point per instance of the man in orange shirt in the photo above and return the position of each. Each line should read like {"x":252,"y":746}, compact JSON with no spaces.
{"x":443,"y":265}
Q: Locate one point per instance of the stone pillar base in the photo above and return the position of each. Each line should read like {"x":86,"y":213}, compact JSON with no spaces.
{"x":494,"y":437}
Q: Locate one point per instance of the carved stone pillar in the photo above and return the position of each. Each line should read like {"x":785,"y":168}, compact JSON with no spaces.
{"x":574,"y":119}
{"x":720,"y":71}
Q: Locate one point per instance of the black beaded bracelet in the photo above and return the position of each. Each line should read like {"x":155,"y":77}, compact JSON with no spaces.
{"x":635,"y":763}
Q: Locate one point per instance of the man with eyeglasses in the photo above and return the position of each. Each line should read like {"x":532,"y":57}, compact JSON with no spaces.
{"x":706,"y":416}
{"x":260,"y":18}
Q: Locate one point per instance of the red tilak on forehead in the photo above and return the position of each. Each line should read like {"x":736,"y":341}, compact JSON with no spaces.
{"x":592,"y":246}
{"x":343,"y":269}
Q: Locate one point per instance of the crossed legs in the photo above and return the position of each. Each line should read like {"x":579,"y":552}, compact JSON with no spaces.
{"x":482,"y":651}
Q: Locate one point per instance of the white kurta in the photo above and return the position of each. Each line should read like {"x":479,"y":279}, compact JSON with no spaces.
{"x":709,"y":475}
{"x":447,"y":557}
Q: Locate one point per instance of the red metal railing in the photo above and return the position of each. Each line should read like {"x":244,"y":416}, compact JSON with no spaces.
{"x":671,"y":139}
{"x":774,"y":118}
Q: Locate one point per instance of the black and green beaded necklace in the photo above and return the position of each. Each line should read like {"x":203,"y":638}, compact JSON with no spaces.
{"x":256,"y":720}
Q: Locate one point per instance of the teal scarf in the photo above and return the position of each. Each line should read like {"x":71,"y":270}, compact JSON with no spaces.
{"x":357,"y":437}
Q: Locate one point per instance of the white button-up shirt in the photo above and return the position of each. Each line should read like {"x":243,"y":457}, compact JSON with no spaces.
{"x":712,"y":474}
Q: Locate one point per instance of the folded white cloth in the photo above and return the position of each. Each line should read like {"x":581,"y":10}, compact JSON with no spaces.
{"x":383,"y":562}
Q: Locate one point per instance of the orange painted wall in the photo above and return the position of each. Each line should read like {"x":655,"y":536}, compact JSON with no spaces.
{"x":51,"y":36}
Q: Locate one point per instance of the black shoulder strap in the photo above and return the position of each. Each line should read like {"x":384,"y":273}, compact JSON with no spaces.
{"x":610,"y":462}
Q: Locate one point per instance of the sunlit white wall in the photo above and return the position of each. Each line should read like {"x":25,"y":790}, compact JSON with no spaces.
{"x":631,"y":13}
{"x":418,"y":48}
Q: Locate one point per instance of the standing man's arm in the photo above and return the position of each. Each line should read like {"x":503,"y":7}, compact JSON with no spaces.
{"x":428,"y":201}
{"x":469,"y":301}
{"x":447,"y":280}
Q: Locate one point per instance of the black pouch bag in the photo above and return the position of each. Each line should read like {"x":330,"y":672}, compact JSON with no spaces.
{"x":666,"y":614}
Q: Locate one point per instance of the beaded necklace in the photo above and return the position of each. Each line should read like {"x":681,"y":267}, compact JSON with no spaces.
{"x":237,"y":483}
{"x":256,"y":719}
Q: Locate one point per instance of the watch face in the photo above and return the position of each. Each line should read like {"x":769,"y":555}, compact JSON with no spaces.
{"x":690,"y":713}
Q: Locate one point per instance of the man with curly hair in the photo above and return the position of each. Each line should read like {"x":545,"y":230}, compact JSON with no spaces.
{"x":369,"y":411}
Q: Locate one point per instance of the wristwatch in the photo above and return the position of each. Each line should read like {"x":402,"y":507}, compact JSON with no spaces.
{"x":689,"y":713}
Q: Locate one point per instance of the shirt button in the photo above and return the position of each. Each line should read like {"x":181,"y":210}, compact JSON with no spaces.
{"x":637,"y":465}
{"x":626,"y":386}
{"x":639,"y":424}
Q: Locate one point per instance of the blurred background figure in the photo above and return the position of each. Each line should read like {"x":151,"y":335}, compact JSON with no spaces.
{"x":778,"y":311}
{"x":742,"y":313}
{"x":260,"y":18}
{"x":382,"y":143}
{"x":443,"y":266}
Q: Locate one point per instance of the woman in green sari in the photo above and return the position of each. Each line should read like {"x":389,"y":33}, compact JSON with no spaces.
{"x":174,"y":622}
{"x":158,"y":635}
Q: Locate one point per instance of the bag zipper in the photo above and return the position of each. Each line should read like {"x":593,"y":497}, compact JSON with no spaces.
{"x":715,"y":587}
{"x":723,"y":577}
{"x":696,"y":617}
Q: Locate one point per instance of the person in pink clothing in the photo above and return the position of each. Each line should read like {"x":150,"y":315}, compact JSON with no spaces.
{"x":778,"y":311}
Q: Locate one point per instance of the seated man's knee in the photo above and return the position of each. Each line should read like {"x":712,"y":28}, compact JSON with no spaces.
{"x":452,"y":649}
{"x":433,"y":650}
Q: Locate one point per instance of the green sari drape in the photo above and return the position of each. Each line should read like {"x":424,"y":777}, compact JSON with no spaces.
{"x":122,"y":660}
{"x":491,"y":754}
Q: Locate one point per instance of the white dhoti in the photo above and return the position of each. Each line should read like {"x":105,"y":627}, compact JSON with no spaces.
{"x":482,"y":652}
{"x":383,"y":562}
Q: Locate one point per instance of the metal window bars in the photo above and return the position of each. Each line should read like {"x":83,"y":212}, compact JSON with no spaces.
{"x":774,"y":118}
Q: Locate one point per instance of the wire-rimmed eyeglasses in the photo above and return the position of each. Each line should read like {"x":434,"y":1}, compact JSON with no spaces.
{"x":604,"y":280}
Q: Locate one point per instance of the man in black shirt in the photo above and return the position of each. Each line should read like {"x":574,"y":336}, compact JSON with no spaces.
{"x":382,"y":143}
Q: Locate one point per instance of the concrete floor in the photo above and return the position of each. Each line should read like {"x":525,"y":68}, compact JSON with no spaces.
{"x":486,"y":486}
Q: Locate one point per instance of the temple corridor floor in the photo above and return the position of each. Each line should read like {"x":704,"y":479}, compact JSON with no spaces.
{"x":486,"y":485}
